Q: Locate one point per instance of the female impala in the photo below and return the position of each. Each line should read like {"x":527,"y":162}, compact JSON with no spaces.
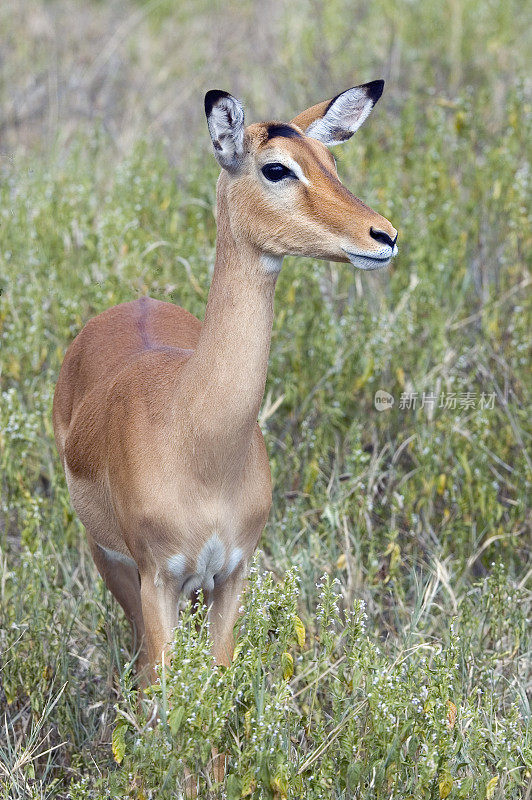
{"x":155,"y":414}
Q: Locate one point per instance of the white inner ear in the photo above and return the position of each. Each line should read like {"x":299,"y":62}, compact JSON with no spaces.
{"x":343,"y":118}
{"x":226,"y":126}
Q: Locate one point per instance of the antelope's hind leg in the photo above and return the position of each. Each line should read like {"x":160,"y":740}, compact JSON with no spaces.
{"x":117,"y":568}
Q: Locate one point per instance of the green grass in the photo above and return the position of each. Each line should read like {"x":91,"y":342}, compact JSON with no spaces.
{"x":399,"y":538}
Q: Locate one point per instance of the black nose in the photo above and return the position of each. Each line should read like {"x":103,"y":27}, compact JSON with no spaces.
{"x":380,"y":236}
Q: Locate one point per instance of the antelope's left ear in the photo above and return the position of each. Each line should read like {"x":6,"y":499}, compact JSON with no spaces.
{"x":225,"y":118}
{"x":335,"y":121}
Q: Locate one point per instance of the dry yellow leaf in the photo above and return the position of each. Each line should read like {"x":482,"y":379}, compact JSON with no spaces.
{"x":451,"y":714}
{"x":287,"y":663}
{"x":400,"y":374}
{"x":445,"y":785}
{"x":300,"y":631}
{"x":342,"y":561}
{"x":13,"y":368}
{"x":118,"y":741}
{"x":491,"y":786}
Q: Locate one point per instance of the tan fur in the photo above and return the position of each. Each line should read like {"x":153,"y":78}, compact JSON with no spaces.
{"x":310,"y":114}
{"x":155,"y":414}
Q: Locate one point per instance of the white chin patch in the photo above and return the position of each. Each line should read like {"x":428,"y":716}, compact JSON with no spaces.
{"x":367,"y":263}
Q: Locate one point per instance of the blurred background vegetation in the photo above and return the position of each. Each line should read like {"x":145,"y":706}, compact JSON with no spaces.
{"x":107,"y":192}
{"x":141,"y":68}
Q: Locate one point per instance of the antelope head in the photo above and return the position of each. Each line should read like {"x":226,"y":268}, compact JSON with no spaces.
{"x":281,"y":189}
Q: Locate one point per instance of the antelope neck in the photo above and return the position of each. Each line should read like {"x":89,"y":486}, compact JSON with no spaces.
{"x":228,"y":368}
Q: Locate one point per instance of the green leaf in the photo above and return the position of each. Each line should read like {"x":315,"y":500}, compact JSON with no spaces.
{"x":233,"y":788}
{"x":206,"y":751}
{"x":175,"y":718}
{"x":354,"y":772}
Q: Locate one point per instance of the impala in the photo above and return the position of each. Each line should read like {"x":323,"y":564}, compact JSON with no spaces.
{"x":155,"y":413}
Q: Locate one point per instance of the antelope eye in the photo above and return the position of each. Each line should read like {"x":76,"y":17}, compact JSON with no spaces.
{"x":276,"y":172}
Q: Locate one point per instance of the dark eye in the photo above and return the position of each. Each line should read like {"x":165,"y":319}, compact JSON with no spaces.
{"x":276,"y":172}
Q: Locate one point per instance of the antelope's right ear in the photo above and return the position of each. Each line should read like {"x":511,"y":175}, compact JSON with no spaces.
{"x":335,"y":121}
{"x":225,"y":118}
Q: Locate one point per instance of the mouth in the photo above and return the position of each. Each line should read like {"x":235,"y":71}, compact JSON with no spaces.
{"x":369,"y":262}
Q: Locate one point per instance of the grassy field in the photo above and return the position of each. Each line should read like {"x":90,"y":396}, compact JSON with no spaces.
{"x":385,"y":648}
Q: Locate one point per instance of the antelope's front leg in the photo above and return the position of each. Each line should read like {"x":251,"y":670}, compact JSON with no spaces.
{"x":159,"y":609}
{"x":223,"y":614}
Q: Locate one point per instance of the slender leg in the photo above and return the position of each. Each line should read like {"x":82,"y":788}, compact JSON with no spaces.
{"x":159,"y":609}
{"x":121,"y":577}
{"x":223,"y":614}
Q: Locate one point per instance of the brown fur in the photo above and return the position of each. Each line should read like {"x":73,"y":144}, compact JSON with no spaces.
{"x":155,"y":414}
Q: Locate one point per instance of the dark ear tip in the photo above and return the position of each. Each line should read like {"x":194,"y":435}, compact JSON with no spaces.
{"x":375,"y":89}
{"x":212,"y":97}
